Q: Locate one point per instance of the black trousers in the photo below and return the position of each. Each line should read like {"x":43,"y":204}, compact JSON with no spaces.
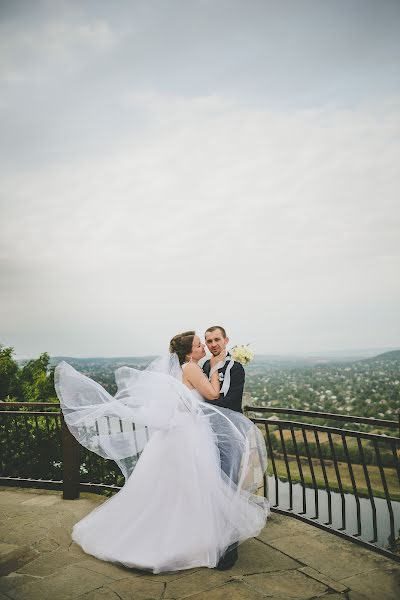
{"x":233,"y":473}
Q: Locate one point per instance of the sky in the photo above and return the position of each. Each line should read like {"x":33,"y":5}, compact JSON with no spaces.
{"x":171,"y":165}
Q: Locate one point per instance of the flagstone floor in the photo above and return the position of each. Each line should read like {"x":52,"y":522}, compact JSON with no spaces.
{"x":289,"y":560}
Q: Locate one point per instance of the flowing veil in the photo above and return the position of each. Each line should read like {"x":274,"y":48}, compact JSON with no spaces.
{"x":151,"y":400}
{"x":119,"y":427}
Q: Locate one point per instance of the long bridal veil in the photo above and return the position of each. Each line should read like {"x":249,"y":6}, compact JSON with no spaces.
{"x":119,"y":427}
{"x":213,"y":458}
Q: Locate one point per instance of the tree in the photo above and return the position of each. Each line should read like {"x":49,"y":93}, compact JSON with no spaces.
{"x":36,"y":384}
{"x":8,"y":373}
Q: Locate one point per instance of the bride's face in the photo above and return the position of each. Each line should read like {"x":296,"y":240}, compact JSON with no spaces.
{"x":198,"y":350}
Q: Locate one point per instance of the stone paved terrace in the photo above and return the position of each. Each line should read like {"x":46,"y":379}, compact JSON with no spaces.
{"x":289,"y":560}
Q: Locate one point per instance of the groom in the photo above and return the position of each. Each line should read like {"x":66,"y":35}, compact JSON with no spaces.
{"x":231,"y":373}
{"x":231,"y":377}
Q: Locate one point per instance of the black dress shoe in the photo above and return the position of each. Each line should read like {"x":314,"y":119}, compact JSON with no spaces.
{"x":228,"y":560}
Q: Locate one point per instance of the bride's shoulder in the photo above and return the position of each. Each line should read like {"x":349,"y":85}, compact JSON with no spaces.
{"x":190,"y":367}
{"x":192,"y":371}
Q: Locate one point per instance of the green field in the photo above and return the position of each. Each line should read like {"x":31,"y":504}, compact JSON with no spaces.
{"x":362,"y":489}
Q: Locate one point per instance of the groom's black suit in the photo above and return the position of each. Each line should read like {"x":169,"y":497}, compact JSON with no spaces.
{"x":233,"y":398}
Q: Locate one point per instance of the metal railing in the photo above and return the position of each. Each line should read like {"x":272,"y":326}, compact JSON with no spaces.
{"x":311,"y":464}
{"x":38,"y":450}
{"x":342,"y":464}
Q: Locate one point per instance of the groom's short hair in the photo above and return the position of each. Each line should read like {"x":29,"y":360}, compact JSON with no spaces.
{"x":214,"y":327}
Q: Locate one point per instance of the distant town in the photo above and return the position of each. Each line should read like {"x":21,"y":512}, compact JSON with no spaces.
{"x":364,"y":387}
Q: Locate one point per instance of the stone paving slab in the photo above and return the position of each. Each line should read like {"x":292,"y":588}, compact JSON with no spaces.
{"x":379,"y":583}
{"x":331,"y":555}
{"x":330,"y":583}
{"x":290,"y":560}
{"x":287,"y":584}
{"x":101,"y":594}
{"x":13,"y":556}
{"x":68,"y":582}
{"x":233,"y":590}
{"x":49,"y":562}
{"x":14,"y":580}
{"x":196,"y":582}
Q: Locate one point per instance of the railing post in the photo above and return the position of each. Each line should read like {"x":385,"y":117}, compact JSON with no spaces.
{"x":246,"y":401}
{"x":71,"y":463}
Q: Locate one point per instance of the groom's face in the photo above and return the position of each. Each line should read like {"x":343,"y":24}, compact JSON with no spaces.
{"x":216,"y":343}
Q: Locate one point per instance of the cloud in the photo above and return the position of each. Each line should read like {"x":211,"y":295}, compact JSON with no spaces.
{"x":31,"y":54}
{"x":251,"y":179}
{"x":214,"y":203}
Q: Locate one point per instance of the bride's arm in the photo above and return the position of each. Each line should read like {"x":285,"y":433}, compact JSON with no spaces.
{"x":195,"y":376}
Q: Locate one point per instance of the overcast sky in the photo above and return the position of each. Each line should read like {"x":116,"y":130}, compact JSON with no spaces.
{"x":173,"y":164}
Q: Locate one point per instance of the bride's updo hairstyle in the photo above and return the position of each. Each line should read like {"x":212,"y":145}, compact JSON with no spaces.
{"x":182,"y":344}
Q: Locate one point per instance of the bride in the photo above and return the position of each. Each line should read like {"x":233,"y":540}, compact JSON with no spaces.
{"x":191,"y":469}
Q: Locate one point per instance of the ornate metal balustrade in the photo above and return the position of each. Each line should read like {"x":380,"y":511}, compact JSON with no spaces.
{"x":38,"y":450}
{"x":310,"y":459}
{"x":319,"y":462}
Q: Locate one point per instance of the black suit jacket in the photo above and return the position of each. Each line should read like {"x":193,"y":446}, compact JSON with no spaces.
{"x":233,"y":398}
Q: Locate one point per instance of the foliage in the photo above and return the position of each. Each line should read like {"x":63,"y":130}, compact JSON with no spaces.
{"x":8,"y":373}
{"x":32,"y":448}
{"x":32,"y":382}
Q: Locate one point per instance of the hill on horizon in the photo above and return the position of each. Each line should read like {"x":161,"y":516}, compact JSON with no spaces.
{"x":390,"y":356}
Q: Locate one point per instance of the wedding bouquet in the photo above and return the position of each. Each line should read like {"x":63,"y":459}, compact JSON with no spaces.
{"x":242,"y":354}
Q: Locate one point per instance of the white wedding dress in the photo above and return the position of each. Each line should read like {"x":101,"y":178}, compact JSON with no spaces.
{"x":178,"y":508}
